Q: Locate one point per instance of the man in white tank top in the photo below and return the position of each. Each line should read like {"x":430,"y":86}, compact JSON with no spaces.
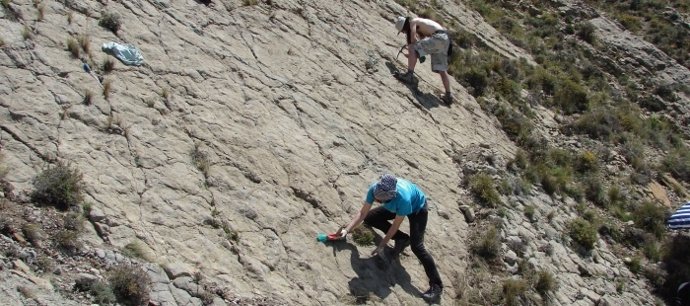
{"x":425,"y":37}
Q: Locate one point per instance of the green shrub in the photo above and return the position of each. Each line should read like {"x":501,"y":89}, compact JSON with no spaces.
{"x":514,"y":124}
{"x":68,"y":241}
{"x":600,"y":123}
{"x":478,"y":80}
{"x":110,"y":21}
{"x":583,"y":232}
{"x":611,"y":230}
{"x":585,"y":32}
{"x":73,"y":47}
{"x":634,"y":152}
{"x":590,"y":215}
{"x":59,"y":186}
{"x":489,"y":245}
{"x":677,"y":162}
{"x":560,"y":157}
{"x":135,"y":250}
{"x":363,"y":235}
{"x":45,"y":264}
{"x":571,"y":97}
{"x":650,"y":217}
{"x":587,"y":161}
{"x":483,"y":188}
{"x":660,"y":132}
{"x":130,"y":284}
{"x":73,"y":221}
{"x":666,"y":92}
{"x":546,"y":283}
{"x":86,"y":209}
{"x":630,"y":22}
{"x":33,"y":233}
{"x":652,"y":103}
{"x":651,"y":250}
{"x":508,"y":89}
{"x":520,"y":160}
{"x":634,"y":265}
{"x":529,"y":213}
{"x":554,"y":179}
{"x":542,"y":80}
{"x":463,"y":39}
{"x":616,"y":195}
{"x":513,"y":291}
{"x":102,"y":293}
{"x":594,"y":189}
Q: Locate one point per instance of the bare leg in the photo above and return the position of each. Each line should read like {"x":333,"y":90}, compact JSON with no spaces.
{"x":444,"y":79}
{"x":411,"y":59}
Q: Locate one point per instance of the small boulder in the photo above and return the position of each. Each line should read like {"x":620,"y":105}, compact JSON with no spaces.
{"x":468,"y":212}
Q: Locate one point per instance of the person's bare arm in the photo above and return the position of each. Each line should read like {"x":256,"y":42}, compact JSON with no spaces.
{"x":393,"y":229}
{"x":356,"y":219}
{"x":413,"y":31}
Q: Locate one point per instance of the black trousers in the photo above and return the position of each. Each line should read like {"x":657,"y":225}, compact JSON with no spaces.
{"x":378,"y":218}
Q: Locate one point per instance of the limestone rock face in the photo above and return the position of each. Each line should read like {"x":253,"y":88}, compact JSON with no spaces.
{"x":271,"y":120}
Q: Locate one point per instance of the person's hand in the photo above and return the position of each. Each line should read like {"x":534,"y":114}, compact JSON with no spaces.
{"x":377,"y":251}
{"x":342,"y":232}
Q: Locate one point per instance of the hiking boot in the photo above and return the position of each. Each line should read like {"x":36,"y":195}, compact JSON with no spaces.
{"x":447,"y":98}
{"x":407,"y":77}
{"x":433,"y":294}
{"x":400,"y":246}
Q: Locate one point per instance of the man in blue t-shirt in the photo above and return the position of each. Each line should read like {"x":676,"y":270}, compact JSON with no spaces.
{"x":400,"y":198}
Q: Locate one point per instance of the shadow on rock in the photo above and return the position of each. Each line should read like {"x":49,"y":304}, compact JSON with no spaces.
{"x":375,"y":275}
{"x":426,"y":100}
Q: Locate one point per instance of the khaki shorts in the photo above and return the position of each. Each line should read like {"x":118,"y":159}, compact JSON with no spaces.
{"x":437,"y":46}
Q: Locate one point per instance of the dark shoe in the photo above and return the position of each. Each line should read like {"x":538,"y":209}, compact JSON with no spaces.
{"x":400,"y":246}
{"x":433,"y":294}
{"x":407,"y":77}
{"x":447,"y":98}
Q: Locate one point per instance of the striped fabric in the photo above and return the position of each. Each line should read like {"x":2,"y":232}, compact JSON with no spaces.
{"x":681,"y":218}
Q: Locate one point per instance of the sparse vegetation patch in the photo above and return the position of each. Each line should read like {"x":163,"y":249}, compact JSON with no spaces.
{"x":363,"y":235}
{"x":489,"y":245}
{"x":583,"y":232}
{"x":110,"y":21}
{"x":130,"y":284}
{"x":59,"y":186}
{"x":546,"y":283}
{"x":483,"y":188}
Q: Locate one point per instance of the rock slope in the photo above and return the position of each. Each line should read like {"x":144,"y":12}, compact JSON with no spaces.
{"x":249,"y":129}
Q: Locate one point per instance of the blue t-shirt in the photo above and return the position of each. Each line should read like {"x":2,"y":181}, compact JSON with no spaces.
{"x":409,"y":198}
